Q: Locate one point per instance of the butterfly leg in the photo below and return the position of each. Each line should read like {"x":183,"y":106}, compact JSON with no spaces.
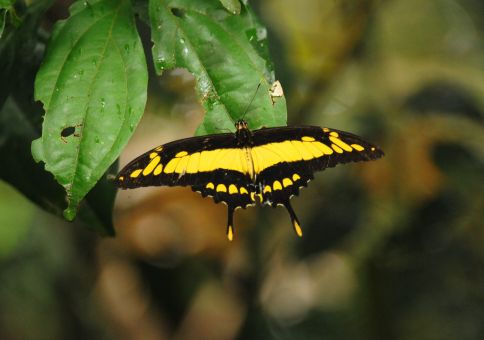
{"x":230,"y":223}
{"x":294,"y":219}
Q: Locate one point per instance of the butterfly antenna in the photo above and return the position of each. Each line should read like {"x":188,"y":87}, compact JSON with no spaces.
{"x":294,"y":219}
{"x":250,"y":103}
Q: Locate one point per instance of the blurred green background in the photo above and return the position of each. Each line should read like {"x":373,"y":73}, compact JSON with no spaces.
{"x":392,"y":249}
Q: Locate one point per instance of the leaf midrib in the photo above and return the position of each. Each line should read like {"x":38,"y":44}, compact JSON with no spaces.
{"x":108,"y":38}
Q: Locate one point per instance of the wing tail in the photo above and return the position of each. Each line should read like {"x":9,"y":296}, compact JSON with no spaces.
{"x":294,"y":219}
{"x":230,"y":223}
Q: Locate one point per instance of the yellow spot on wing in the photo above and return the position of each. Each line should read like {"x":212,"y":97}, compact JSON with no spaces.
{"x":159,"y":148}
{"x":297,"y":228}
{"x":181,"y":167}
{"x":208,"y":161}
{"x":233,"y":189}
{"x":232,"y":159}
{"x":230,"y":233}
{"x":253,"y":195}
{"x":307,"y":139}
{"x":264,"y":156}
{"x":209,"y":185}
{"x":181,"y":154}
{"x":277,"y":185}
{"x":273,"y":153}
{"x":286,"y":182}
{"x":243,"y":190}
{"x":121,"y":178}
{"x":303,"y":151}
{"x":341,"y":144}
{"x":325,"y":129}
{"x":334,"y":134}
{"x":314,"y":150}
{"x":324,"y":148}
{"x":192,"y":166}
{"x":284,"y":150}
{"x":336,"y":148}
{"x":151,"y":166}
{"x":158,"y":169}
{"x":136,"y":173}
{"x":171,"y":166}
{"x":221,"y":188}
{"x":267,"y":188}
{"x":295,"y":177}
{"x":153,"y":155}
{"x":373,"y":148}
{"x":357,"y":147}
{"x":220,"y":159}
{"x":245,"y":159}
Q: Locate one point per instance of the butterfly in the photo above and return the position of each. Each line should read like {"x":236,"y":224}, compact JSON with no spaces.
{"x":266,"y":166}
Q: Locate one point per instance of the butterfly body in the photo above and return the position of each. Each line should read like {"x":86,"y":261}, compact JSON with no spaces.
{"x":241,"y":169}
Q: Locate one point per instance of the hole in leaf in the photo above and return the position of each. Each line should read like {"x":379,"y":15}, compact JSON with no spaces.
{"x":178,"y":12}
{"x":66,"y":132}
{"x":69,"y":131}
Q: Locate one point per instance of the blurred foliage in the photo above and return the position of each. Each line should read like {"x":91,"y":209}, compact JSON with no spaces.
{"x":392,"y":249}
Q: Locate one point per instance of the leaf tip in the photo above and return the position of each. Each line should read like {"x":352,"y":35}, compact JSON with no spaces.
{"x":70,"y":212}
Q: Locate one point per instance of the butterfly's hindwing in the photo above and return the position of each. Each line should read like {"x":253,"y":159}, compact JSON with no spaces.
{"x":280,"y":182}
{"x":229,"y":187}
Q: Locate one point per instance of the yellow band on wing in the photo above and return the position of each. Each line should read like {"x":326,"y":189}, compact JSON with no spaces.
{"x":248,"y":161}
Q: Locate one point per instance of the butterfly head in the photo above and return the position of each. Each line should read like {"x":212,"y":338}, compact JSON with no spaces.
{"x":242,"y":133}
{"x":241,"y":125}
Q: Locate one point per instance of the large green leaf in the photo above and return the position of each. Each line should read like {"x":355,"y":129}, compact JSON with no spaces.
{"x":93,"y":87}
{"x":226,"y":53}
{"x":20,"y":123}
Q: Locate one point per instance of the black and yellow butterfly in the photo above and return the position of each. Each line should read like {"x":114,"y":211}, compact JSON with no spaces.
{"x":240,"y":169}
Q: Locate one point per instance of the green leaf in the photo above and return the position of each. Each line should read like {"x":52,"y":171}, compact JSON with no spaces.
{"x":228,"y":56}
{"x":20,"y":123}
{"x":93,"y":87}
{"x":233,"y":6}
